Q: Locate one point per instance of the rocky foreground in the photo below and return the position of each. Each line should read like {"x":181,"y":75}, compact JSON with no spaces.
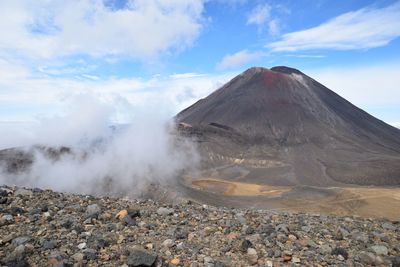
{"x":46,"y":228}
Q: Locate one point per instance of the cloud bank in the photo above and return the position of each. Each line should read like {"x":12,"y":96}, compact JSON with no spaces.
{"x":103,"y":159}
{"x":238,"y":59}
{"x":141,"y":29}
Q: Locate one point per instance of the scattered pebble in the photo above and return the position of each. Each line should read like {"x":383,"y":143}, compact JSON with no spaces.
{"x":46,"y":228}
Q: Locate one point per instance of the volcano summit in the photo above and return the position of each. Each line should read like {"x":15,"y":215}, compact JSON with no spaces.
{"x":279,"y":126}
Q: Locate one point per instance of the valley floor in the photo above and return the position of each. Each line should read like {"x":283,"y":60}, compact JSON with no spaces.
{"x":344,"y":201}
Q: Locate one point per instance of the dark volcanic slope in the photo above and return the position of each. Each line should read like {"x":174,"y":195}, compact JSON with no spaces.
{"x":285,"y":118}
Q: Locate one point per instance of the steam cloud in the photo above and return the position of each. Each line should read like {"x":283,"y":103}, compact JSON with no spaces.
{"x":103,"y":159}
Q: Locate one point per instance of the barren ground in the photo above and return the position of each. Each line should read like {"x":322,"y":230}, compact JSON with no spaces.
{"x":352,"y":200}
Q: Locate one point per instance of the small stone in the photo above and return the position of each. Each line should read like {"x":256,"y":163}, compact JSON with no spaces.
{"x":277,"y":254}
{"x":362,"y":237}
{"x":395,"y":261}
{"x":20,"y":240}
{"x":270,"y":264}
{"x":120,"y":215}
{"x":325,"y":249}
{"x":6,"y":219}
{"x":127,"y":220}
{"x":29,"y":247}
{"x":49,"y":244}
{"x":344,"y":233}
{"x":295,"y":259}
{"x":23,"y":192}
{"x":340,"y":251}
{"x":175,"y":261}
{"x":379,"y":261}
{"x":208,"y":230}
{"x":292,"y":237}
{"x":191,"y":236}
{"x":232,"y":236}
{"x":208,"y":260}
{"x":380,"y":250}
{"x":15,"y":211}
{"x":90,"y":254}
{"x":105,"y":257}
{"x":92,"y":211}
{"x":219,"y":264}
{"x":67,"y":224}
{"x":168,"y":243}
{"x":53,"y":262}
{"x":287,"y":257}
{"x":106,"y":216}
{"x":282,"y":228}
{"x":267,"y":229}
{"x":245,"y":245}
{"x":251,"y":251}
{"x":149,"y":246}
{"x":139,"y":257}
{"x":247,"y":230}
{"x":241,"y":219}
{"x":164,"y":211}
{"x":180,"y":246}
{"x":366,"y":257}
{"x":20,"y":250}
{"x":78,"y":257}
{"x":82,"y":245}
{"x":388,"y":226}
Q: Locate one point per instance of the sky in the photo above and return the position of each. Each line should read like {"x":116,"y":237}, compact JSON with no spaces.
{"x":164,"y":55}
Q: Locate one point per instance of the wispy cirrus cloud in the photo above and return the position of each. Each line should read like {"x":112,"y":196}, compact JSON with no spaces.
{"x":261,"y":16}
{"x":238,"y":59}
{"x":362,"y":29}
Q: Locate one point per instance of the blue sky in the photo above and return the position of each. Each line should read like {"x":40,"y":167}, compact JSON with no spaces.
{"x":143,"y":52}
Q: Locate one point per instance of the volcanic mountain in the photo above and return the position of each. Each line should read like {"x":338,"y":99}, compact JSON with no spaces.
{"x":278,"y":126}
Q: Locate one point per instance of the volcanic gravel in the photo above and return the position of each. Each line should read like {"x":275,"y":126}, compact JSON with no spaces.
{"x":46,"y":228}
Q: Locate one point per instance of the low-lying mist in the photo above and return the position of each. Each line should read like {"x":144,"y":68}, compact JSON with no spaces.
{"x":102,"y":156}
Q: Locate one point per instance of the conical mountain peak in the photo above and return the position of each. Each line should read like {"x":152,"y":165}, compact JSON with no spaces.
{"x":286,"y":70}
{"x":283,"y":111}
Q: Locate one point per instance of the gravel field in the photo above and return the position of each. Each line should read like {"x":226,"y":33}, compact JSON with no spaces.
{"x":46,"y":228}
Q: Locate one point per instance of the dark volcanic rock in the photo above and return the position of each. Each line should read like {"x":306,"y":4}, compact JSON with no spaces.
{"x":310,"y":135}
{"x":138,"y":257}
{"x":195,"y":235}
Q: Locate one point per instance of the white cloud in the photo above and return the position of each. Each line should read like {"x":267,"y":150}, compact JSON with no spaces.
{"x":143,"y":30}
{"x":24,"y":96}
{"x":364,"y":86}
{"x":90,"y":77}
{"x":274,"y":27}
{"x":373,"y":89}
{"x":232,"y":3}
{"x":259,"y":15}
{"x":186,"y":75}
{"x":263,"y":18}
{"x":305,"y":56}
{"x":396,"y":124}
{"x":362,"y":29}
{"x":238,"y":59}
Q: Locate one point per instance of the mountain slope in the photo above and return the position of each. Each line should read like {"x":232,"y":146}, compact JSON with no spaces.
{"x":313,"y":136}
